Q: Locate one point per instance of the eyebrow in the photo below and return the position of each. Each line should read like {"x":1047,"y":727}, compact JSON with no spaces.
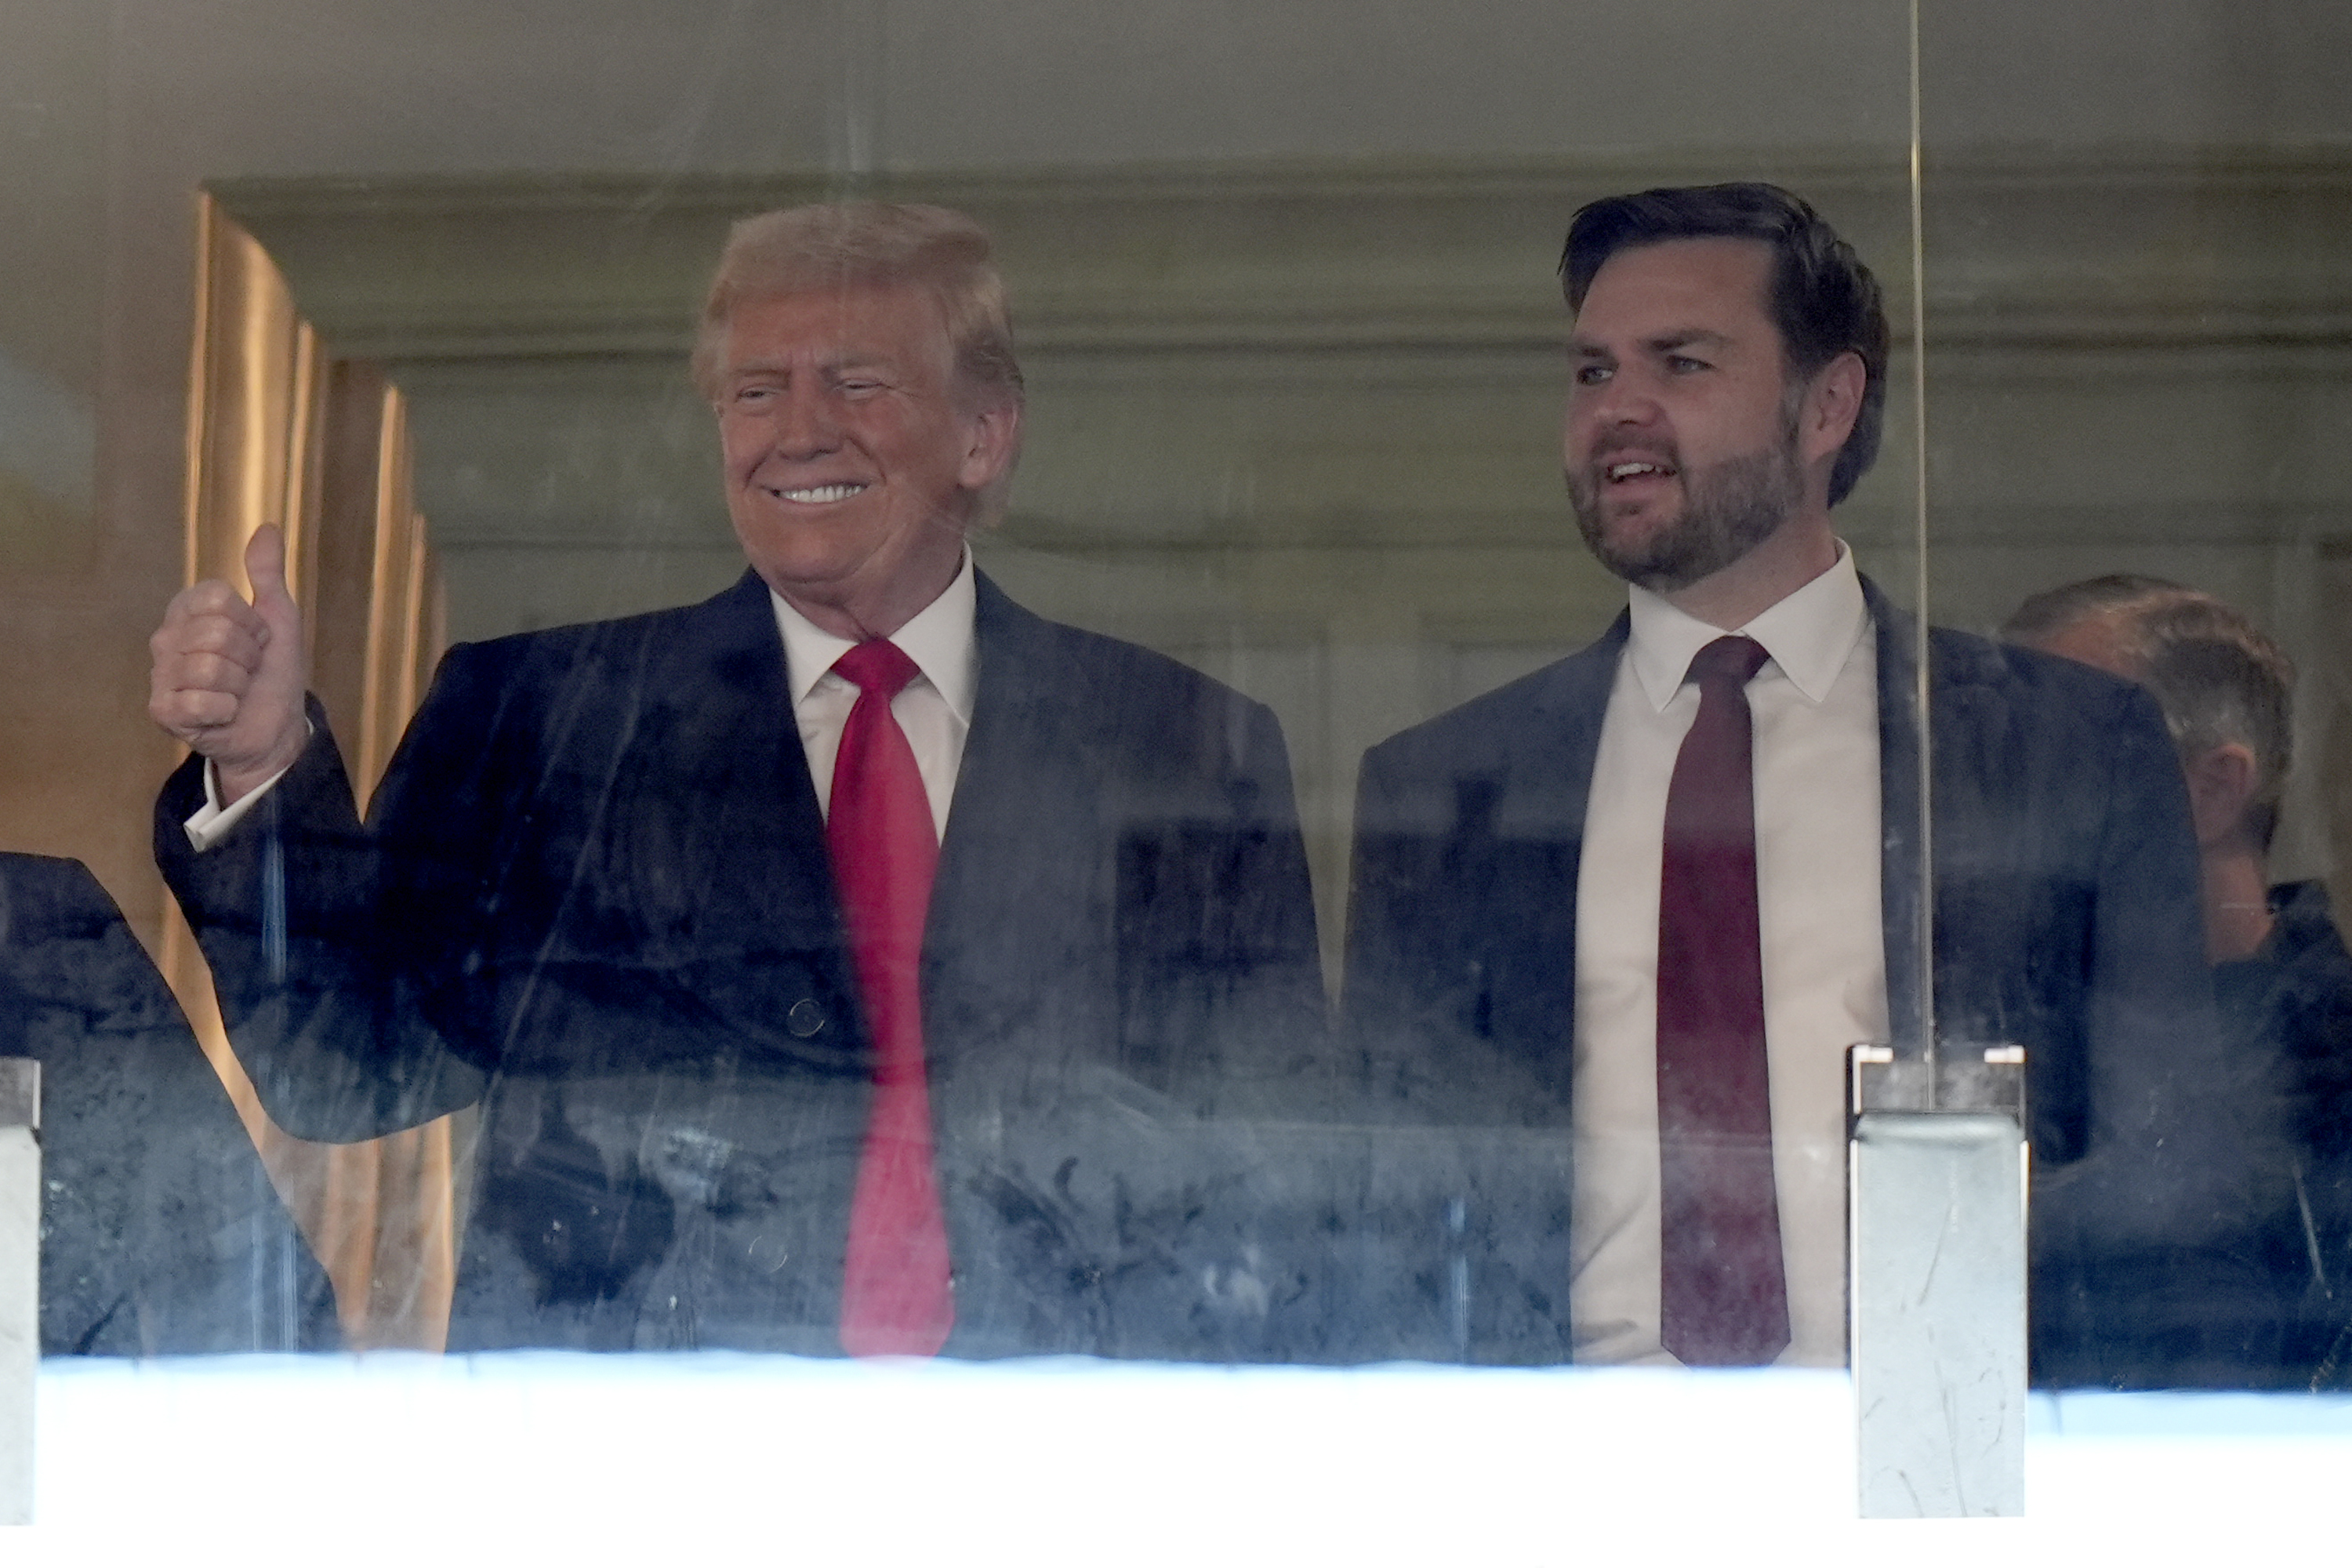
{"x":1663,"y":342}
{"x":850,"y":359}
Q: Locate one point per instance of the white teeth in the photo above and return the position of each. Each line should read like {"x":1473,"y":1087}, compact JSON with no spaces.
{"x":818,"y":495}
{"x":1627,"y":471}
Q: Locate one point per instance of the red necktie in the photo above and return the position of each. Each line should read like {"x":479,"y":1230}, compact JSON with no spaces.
{"x":895,"y":1296}
{"x":1724,"y":1298}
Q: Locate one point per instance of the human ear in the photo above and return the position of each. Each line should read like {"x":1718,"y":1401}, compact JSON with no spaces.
{"x":2222,"y":785}
{"x":1832,"y":403}
{"x":992,"y":435}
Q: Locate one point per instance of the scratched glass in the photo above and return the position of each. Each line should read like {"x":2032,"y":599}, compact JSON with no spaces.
{"x":572,"y":1050}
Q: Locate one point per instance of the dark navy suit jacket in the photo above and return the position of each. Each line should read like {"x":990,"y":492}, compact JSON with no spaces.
{"x":2065,"y":918}
{"x":593,"y":896}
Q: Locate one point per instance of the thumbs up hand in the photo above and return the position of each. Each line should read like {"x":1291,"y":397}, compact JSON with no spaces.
{"x":229,"y":675}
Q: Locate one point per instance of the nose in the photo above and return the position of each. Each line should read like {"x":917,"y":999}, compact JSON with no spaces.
{"x":802,"y":425}
{"x":1625,"y":399}
{"x":1613,"y":410}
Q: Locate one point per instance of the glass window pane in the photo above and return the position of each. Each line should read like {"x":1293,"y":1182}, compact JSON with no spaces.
{"x":2134,"y":280}
{"x":581,"y":1019}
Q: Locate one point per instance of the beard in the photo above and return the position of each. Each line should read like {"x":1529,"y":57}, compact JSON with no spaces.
{"x":1728,"y":509}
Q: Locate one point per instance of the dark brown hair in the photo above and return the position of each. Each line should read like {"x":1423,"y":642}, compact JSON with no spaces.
{"x":1823,"y":298}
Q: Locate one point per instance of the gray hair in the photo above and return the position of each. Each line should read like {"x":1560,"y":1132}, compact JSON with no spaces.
{"x":2217,"y":677}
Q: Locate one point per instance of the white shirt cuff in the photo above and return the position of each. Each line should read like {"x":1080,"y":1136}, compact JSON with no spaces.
{"x":211,"y":821}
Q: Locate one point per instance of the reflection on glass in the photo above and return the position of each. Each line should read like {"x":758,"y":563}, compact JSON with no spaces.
{"x":1291,"y":340}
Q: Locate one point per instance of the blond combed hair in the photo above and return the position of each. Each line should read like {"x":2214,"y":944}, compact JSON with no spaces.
{"x":835,"y":246}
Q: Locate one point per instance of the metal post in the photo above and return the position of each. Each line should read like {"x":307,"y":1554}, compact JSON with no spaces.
{"x":1939,"y":1285}
{"x":20,"y":1275}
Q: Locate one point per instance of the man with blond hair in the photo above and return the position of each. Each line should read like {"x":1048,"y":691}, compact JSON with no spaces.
{"x":852,"y":960}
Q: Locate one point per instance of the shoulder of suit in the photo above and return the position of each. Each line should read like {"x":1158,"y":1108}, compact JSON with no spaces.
{"x":43,"y":897}
{"x":621,"y":637}
{"x":1019,"y":643}
{"x":2028,"y":673}
{"x":1567,"y":692}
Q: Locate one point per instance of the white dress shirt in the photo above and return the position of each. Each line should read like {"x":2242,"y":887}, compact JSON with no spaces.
{"x":1815,"y":706}
{"x":210,"y":823}
{"x":934,"y":709}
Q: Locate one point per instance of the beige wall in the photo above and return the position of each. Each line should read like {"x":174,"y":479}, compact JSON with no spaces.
{"x":76,"y":759}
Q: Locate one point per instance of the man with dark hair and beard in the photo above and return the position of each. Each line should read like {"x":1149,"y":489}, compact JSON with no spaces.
{"x":1651,"y":895}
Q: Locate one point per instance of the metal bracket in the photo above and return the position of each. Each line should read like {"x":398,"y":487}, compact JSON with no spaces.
{"x":1937,"y":1195}
{"x":1956,"y":1077}
{"x":20,"y":1092}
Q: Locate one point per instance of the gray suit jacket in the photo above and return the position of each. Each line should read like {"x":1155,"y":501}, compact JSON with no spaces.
{"x":2065,"y":918}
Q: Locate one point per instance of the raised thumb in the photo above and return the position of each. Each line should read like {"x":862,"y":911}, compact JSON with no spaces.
{"x":264,"y":568}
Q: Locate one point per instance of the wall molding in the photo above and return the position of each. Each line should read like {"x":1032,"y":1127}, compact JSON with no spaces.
{"x":2132,"y":249}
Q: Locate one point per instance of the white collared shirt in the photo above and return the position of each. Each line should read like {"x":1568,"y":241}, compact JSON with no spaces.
{"x":934,"y":709}
{"x":1815,"y":706}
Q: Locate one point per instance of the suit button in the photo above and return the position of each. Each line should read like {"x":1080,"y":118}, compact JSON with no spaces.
{"x":805,"y":1018}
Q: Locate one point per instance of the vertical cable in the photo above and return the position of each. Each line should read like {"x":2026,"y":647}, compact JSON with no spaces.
{"x":1921,"y":695}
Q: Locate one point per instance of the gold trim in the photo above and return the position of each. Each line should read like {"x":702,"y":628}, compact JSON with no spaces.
{"x":265,"y":446}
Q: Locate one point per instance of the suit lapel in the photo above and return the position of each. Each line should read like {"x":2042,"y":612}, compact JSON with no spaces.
{"x":998,"y":755}
{"x":718,"y":739}
{"x":1949,"y":899}
{"x":1534,"y":834}
{"x":1015,"y":893}
{"x":1565,"y":737}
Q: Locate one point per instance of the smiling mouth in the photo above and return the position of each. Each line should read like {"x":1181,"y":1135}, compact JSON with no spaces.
{"x":816,"y":495}
{"x":1635,"y":468}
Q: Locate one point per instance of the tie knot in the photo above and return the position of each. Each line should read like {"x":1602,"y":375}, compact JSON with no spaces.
{"x":1732,"y":661}
{"x":880,"y":667}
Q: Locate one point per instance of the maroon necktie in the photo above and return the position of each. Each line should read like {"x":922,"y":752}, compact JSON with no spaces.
{"x":1725,"y":1299}
{"x":895,"y":1296}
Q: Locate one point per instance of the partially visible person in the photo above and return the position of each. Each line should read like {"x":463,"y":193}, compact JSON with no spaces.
{"x":161,"y":1234}
{"x":854,"y":961}
{"x":2282,"y":977}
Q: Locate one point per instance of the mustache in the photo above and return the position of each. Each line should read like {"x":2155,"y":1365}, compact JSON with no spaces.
{"x":1666,"y":453}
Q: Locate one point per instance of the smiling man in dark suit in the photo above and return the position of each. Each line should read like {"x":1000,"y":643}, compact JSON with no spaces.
{"x":1650,"y":895}
{"x":854,"y":959}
